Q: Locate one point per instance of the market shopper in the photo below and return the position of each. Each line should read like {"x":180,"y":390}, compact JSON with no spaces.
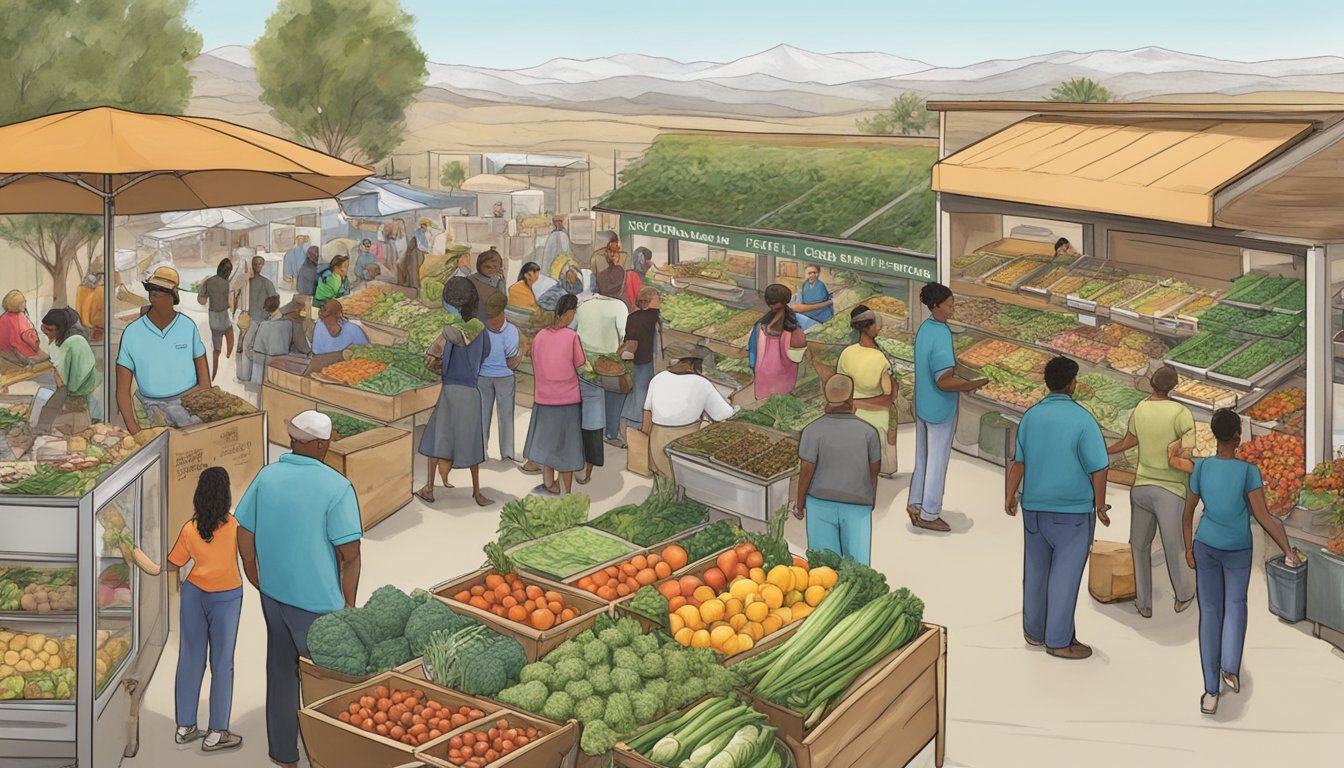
{"x":555,"y":433}
{"x":839,"y":456}
{"x":497,"y":383}
{"x":305,"y":282}
{"x":593,"y":418}
{"x":936,"y":398}
{"x":1060,"y":466}
{"x":1232,"y":491}
{"x":18,"y":339}
{"x":77,"y":376}
{"x":813,"y":300}
{"x":333,"y":282}
{"x":1158,"y":494}
{"x":641,"y":332}
{"x":570,"y":284}
{"x":874,"y":389}
{"x":602,"y":257}
{"x":521,"y":296}
{"x":301,"y":328}
{"x":210,"y":606}
{"x":89,"y":297}
{"x":776,"y":345}
{"x":678,"y":399}
{"x":335,"y":332}
{"x":214,"y":295}
{"x":488,"y":279}
{"x":600,"y":322}
{"x":273,"y":337}
{"x":557,"y":244}
{"x":161,"y":351}
{"x":366,"y":264}
{"x":298,"y":538}
{"x":455,"y":435}
{"x":294,"y":258}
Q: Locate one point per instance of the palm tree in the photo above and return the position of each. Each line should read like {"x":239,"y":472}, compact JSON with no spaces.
{"x":1080,"y":90}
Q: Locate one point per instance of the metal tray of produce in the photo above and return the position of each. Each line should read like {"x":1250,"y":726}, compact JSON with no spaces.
{"x":1046,"y":268}
{"x":1204,"y":372}
{"x":1122,"y":311}
{"x":989,"y":278}
{"x":1269,"y":374}
{"x":1232,"y":400}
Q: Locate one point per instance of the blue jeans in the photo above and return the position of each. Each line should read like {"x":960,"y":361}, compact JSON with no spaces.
{"x":1222,"y":579}
{"x":286,"y":640}
{"x":615,"y":404}
{"x":1057,"y":545}
{"x":209,"y":625}
{"x":933,"y":451}
{"x":846,"y":529}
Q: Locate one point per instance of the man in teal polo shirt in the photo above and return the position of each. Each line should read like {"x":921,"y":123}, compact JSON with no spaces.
{"x":162,"y":351}
{"x":299,"y":533}
{"x":1062,"y":457}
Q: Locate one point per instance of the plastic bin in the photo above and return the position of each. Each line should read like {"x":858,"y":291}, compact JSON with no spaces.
{"x":1287,"y":590}
{"x":998,"y":435}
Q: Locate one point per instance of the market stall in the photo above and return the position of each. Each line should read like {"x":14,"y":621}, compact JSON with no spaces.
{"x":77,"y":624}
{"x":1180,"y":261}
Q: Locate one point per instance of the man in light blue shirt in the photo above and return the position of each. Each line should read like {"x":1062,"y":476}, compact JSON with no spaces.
{"x":496,"y":380}
{"x":1061,"y":455}
{"x":936,"y":388}
{"x":813,"y":299}
{"x":163,"y":353}
{"x":298,"y":537}
{"x":294,"y":257}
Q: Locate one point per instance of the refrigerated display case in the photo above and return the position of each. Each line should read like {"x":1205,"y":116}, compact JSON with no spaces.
{"x":76,"y":622}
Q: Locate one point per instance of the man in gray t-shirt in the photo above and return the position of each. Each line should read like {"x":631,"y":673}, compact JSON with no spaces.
{"x":214,"y":294}
{"x":839,"y":458}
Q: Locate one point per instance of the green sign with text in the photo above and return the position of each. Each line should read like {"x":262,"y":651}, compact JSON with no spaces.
{"x":836,"y":255}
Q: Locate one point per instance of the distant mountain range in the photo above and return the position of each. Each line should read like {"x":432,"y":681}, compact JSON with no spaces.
{"x":785,"y":81}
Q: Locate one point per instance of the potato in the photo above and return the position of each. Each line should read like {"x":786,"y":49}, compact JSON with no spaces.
{"x":23,"y":666}
{"x":11,"y":658}
{"x":52,"y":647}
{"x":35,"y":642}
{"x":5,"y":637}
{"x":27,"y":654}
{"x":128,"y":443}
{"x":43,"y":656}
{"x":5,"y":671}
{"x":18,"y":642}
{"x":56,"y":662}
{"x":38,"y":665}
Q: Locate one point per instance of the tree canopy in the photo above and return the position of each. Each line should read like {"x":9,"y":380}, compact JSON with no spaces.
{"x":907,"y":115}
{"x":1080,"y":90}
{"x":341,"y":73}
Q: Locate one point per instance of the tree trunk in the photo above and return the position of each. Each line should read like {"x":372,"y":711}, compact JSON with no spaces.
{"x":65,"y":259}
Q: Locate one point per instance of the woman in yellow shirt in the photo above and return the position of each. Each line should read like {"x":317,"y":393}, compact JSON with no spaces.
{"x":874,"y":389}
{"x":520,"y":293}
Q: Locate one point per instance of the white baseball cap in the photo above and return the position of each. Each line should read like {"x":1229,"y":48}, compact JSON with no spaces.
{"x":310,"y":425}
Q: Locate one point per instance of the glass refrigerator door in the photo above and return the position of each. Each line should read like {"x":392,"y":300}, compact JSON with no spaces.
{"x":118,"y":527}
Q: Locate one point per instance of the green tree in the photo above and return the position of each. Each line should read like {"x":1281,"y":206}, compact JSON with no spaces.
{"x":452,"y":175}
{"x":906,"y":116}
{"x":341,"y":73}
{"x":60,"y":55}
{"x":1080,"y":90}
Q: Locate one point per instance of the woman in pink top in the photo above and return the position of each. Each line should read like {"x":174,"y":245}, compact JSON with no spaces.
{"x":555,"y":435}
{"x":774,"y":337}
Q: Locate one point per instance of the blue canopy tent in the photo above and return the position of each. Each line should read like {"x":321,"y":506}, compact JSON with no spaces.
{"x":375,"y":198}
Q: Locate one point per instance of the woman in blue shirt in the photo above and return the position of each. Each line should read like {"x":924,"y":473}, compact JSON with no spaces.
{"x":1220,"y":551}
{"x":333,"y":333}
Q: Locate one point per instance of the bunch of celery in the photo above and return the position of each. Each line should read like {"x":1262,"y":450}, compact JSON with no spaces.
{"x":717,"y":733}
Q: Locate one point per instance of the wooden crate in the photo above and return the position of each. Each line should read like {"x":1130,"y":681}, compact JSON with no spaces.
{"x":886,"y":717}
{"x":622,"y":610}
{"x":237,"y":444}
{"x":558,"y":745}
{"x":281,"y":405}
{"x":378,"y":464}
{"x":536,"y":643}
{"x":317,"y":683}
{"x":331,"y":743}
{"x":370,"y":406}
{"x":573,"y":581}
{"x":625,"y":757}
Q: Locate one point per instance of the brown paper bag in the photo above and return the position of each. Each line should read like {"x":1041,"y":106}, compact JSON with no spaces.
{"x":1110,"y":572}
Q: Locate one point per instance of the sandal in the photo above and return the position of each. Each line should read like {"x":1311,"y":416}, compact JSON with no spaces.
{"x":1232,"y":681}
{"x":913,"y":512}
{"x":1209,"y":709}
{"x":583,"y":480}
{"x":420,"y":494}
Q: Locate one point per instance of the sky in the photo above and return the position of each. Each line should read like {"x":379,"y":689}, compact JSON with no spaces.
{"x":515,"y":34}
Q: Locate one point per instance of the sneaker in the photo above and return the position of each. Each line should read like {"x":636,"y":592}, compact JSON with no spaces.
{"x":217,"y":741}
{"x":1147,"y":613}
{"x":1075,"y":651}
{"x":187,"y":735}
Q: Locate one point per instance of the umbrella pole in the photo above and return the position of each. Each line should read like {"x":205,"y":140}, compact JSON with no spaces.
{"x":109,"y":296}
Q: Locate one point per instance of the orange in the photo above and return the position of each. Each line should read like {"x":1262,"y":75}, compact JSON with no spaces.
{"x":800,"y":611}
{"x":814,"y":594}
{"x":757,"y":575}
{"x":744,"y":643}
{"x":712,"y":610}
{"x":732,"y":606}
{"x":772,"y":624}
{"x":741,"y":588}
{"x":675,"y":623}
{"x":720,"y":635}
{"x":774,"y":597}
{"x":757,"y":611}
{"x":703,"y":593}
{"x":684,"y":636}
{"x":690,"y":616}
{"x":824,"y":576}
{"x":700,"y":639}
{"x":738,"y":621}
{"x":755,"y":630}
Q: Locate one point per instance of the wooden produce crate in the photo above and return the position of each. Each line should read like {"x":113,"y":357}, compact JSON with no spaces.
{"x":360,"y":402}
{"x":560,"y":743}
{"x":622,"y":610}
{"x":282,"y":405}
{"x":536,"y":642}
{"x":377,"y":463}
{"x":886,"y":717}
{"x":237,"y":444}
{"x":331,"y":743}
{"x":317,"y":683}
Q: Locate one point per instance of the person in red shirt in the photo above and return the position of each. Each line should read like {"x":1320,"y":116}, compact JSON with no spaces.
{"x":18,"y":337}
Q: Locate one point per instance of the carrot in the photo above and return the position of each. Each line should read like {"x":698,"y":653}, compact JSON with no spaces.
{"x":493,"y":580}
{"x":542,"y":618}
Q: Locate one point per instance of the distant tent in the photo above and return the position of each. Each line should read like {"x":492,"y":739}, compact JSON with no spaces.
{"x":519,"y":164}
{"x":226,"y":218}
{"x":375,"y":198}
{"x":488,"y":183}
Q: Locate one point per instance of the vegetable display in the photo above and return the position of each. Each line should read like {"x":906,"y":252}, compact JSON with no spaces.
{"x":658,"y":518}
{"x":405,"y":717}
{"x":1160,"y":301}
{"x":1109,"y":401}
{"x":1294,"y":299}
{"x":1010,"y":388}
{"x":1004,"y":278}
{"x":40,"y":666}
{"x":626,"y":578}
{"x":1260,"y":355}
{"x":399,"y":357}
{"x":513,"y":598}
{"x":1224,"y":317}
{"x":736,"y":327}
{"x":613,"y":679}
{"x":717,"y":733}
{"x":711,"y":439}
{"x":1274,"y":325}
{"x":687,"y":311}
{"x":1281,"y":459}
{"x":391,"y":381}
{"x":1277,"y":405}
{"x":568,"y":552}
{"x":475,"y":660}
{"x":390,"y":630}
{"x":532,"y":517}
{"x":1204,"y":349}
{"x":343,"y":426}
{"x":1210,"y":395}
{"x":1259,"y":290}
{"x":716,"y":537}
{"x":479,"y":748}
{"x":783,"y":412}
{"x":354,"y":371}
{"x":1324,"y":485}
{"x":362,"y":301}
{"x":983,"y":266}
{"x":1117,"y":335}
{"x":214,"y":404}
{"x":987,"y":351}
{"x":780,"y":457}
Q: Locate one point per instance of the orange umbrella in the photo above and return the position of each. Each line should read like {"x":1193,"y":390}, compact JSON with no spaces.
{"x":109,"y":161}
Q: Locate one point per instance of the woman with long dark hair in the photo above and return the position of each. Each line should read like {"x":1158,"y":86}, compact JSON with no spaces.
{"x":334,"y":282}
{"x":211,"y":602}
{"x":776,"y":346}
{"x":521,"y":295}
{"x":76,"y":370}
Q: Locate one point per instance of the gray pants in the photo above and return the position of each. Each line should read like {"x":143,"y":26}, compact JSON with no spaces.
{"x":1154,"y":509}
{"x":498,"y":392}
{"x":286,"y":640}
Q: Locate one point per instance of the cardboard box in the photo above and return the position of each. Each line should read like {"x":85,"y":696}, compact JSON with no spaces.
{"x":536,"y":642}
{"x":317,"y":683}
{"x":378,"y":464}
{"x":560,"y":743}
{"x":886,"y":717}
{"x":637,"y":452}
{"x":237,"y":444}
{"x":1110,"y":572}
{"x":331,"y":743}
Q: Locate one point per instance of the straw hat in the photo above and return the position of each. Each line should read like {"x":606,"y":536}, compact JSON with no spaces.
{"x":167,"y":279}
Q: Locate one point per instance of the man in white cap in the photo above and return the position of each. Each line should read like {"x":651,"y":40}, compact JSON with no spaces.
{"x":299,"y":534}
{"x":162,"y":352}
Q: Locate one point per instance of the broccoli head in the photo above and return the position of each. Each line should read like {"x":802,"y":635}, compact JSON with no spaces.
{"x":567,"y":671}
{"x":596,"y":654}
{"x":390,"y":609}
{"x":430,"y":617}
{"x":528,"y":697}
{"x":364,"y":627}
{"x":559,"y":707}
{"x":702,"y":661}
{"x":613,"y":638}
{"x":686,"y":691}
{"x":420,"y":596}
{"x":589,"y":710}
{"x":539,"y":671}
{"x":625,"y":680}
{"x":644,"y":644}
{"x":645,"y":707}
{"x":651,"y":666}
{"x":630,"y":628}
{"x":579,"y":689}
{"x":334,"y":645}
{"x":657,"y":689}
{"x":676,"y":667}
{"x":598,"y":738}
{"x":619,"y":715}
{"x":600,"y":679}
{"x":389,"y":654}
{"x":624,"y":658}
{"x":584,"y":639}
{"x":495,"y":661}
